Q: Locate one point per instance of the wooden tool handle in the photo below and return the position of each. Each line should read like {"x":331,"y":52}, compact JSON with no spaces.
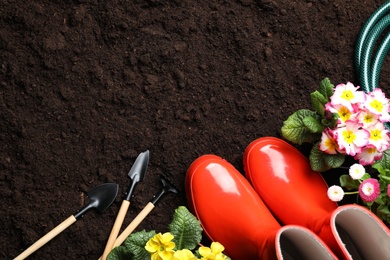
{"x":133,"y":225}
{"x":46,"y":238}
{"x":116,"y":228}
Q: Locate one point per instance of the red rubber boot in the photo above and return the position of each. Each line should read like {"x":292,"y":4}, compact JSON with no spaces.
{"x":296,"y":195}
{"x":293,"y":192}
{"x":360,"y":233}
{"x":231,"y":212}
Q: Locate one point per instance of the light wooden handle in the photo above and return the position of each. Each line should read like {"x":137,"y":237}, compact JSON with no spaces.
{"x":46,"y":238}
{"x":116,"y":228}
{"x":133,"y":225}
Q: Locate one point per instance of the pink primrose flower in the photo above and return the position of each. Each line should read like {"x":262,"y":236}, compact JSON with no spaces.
{"x":328,"y":143}
{"x":367,"y":118}
{"x":351,"y":138}
{"x":368,"y":155}
{"x":347,"y":95}
{"x":342,"y":111}
{"x":369,"y":190}
{"x":377,"y":103}
{"x":379,"y":136}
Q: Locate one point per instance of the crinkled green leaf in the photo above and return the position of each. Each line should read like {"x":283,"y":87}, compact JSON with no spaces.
{"x":133,"y":247}
{"x":186,"y":229}
{"x":383,"y":165}
{"x":318,"y":102}
{"x":320,"y":161}
{"x":383,"y":212}
{"x":295,"y":130}
{"x":313,"y":125}
{"x":381,"y":200}
{"x":347,"y":182}
{"x":326,"y":88}
{"x":136,"y":242}
{"x":334,"y":160}
{"x":119,"y":253}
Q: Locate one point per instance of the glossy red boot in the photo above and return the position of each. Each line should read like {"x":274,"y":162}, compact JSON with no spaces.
{"x":231,"y":212}
{"x":297,"y":195}
{"x":293,"y":192}
{"x":360,"y":233}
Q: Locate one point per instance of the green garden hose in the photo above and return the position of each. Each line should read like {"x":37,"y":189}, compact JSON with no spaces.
{"x":367,"y":65}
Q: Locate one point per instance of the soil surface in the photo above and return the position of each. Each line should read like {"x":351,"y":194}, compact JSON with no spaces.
{"x":85,"y":86}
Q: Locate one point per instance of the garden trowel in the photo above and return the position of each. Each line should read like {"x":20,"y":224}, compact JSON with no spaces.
{"x":136,"y":174}
{"x":100,"y":198}
{"x":166,"y":187}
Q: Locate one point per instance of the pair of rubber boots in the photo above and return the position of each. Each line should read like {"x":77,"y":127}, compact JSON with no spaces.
{"x":286,"y":214}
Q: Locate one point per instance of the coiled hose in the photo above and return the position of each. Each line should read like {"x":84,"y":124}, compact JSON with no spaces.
{"x":367,"y":65}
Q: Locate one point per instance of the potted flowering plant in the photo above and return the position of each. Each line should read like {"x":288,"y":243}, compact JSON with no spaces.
{"x":346,"y":122}
{"x":182,"y":242}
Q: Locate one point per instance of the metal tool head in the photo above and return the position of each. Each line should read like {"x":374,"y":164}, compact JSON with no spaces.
{"x":166,"y":187}
{"x":100,"y":198}
{"x":137,"y":171}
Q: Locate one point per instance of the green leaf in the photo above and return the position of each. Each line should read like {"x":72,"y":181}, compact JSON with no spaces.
{"x":383,"y":212}
{"x":320,"y":161}
{"x":136,"y":242}
{"x":384,"y":163}
{"x":295,"y":130}
{"x":313,"y":125}
{"x":366,"y":176}
{"x":186,"y":229}
{"x":347,"y":182}
{"x":326,"y":88}
{"x":119,"y":253}
{"x":381,"y":200}
{"x":318,"y":102}
{"x":334,"y":160}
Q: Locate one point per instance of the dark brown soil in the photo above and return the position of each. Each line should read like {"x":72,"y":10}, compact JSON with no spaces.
{"x":88,"y":85}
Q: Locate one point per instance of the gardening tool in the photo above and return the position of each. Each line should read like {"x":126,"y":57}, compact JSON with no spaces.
{"x":136,"y":174}
{"x":100,"y":198}
{"x":166,"y":187}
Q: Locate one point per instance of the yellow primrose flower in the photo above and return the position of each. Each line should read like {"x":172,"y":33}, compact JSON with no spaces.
{"x":183,"y":254}
{"x":161,"y":246}
{"x":212,"y":253}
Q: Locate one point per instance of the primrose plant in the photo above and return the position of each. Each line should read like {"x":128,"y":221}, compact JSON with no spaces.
{"x":346,"y":121}
{"x":182,"y":242}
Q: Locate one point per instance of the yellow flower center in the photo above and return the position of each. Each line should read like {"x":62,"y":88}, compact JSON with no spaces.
{"x":349,"y":136}
{"x":375,"y":135}
{"x":347,"y":95}
{"x":344,"y":113}
{"x":375,"y":104}
{"x":367,"y":118}
{"x":330,"y":144}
